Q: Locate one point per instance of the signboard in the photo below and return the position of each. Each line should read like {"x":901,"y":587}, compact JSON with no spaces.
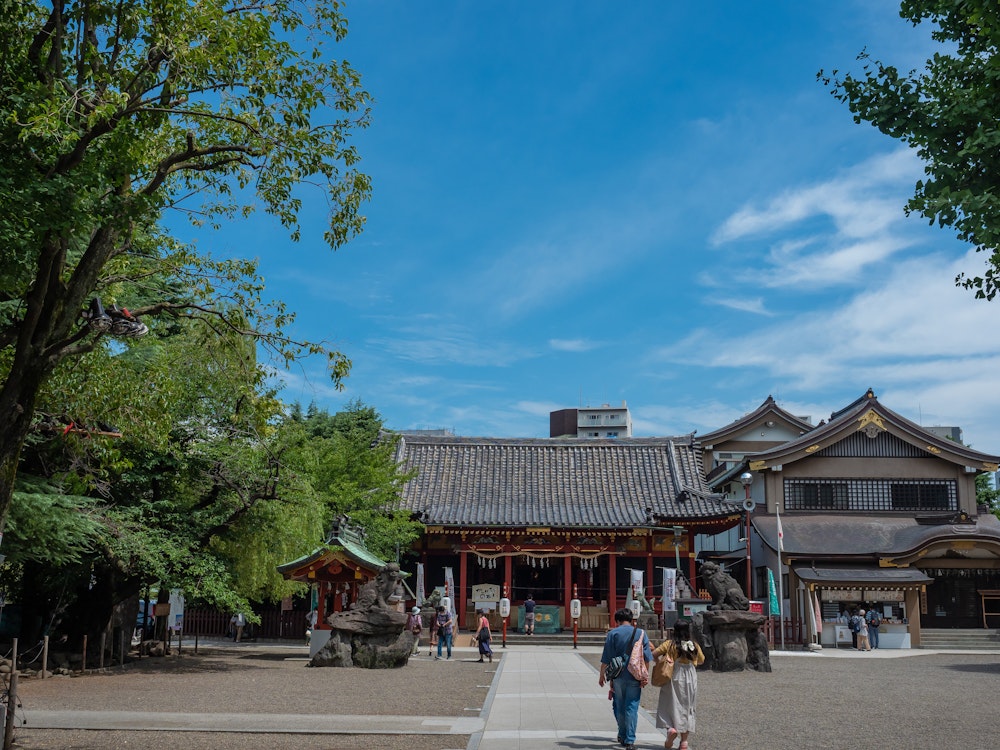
{"x":841,"y":595}
{"x":690,"y":609}
{"x":843,"y":634}
{"x":486,"y":592}
{"x":757,"y":607}
{"x":161,"y":609}
{"x":884,"y":595}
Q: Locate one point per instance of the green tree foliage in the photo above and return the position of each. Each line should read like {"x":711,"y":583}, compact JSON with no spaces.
{"x":349,"y":460}
{"x":987,"y":494}
{"x":948,"y":112}
{"x":113,"y":112}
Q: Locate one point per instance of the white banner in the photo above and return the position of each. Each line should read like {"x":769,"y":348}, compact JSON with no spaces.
{"x":637,"y":582}
{"x":669,"y":589}
{"x":449,"y":587}
{"x":418,"y":588}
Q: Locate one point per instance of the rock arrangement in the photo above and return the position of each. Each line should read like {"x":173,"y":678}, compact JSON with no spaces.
{"x":372,"y":635}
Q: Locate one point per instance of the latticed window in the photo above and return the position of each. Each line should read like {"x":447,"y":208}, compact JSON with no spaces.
{"x":871,"y":494}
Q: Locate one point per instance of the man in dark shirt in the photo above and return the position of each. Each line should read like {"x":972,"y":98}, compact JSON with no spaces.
{"x":529,"y":615}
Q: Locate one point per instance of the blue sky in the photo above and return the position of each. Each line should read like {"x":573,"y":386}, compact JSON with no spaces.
{"x":579,"y":203}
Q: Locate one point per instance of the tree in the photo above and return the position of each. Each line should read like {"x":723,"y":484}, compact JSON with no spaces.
{"x":987,"y":494}
{"x":948,"y":112}
{"x":115,"y":111}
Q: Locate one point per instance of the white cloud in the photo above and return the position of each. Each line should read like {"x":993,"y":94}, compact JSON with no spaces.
{"x":573,"y":345}
{"x":917,"y":339}
{"x":753,"y":305}
{"x":839,"y":228}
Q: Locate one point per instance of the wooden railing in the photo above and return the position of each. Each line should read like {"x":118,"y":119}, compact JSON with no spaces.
{"x":794,"y":632}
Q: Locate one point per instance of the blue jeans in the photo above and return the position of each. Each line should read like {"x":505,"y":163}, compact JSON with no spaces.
{"x":442,"y":641}
{"x":626,"y":707}
{"x":872,"y":636}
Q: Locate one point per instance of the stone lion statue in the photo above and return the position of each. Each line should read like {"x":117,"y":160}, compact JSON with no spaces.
{"x":726,"y":592}
{"x":375,"y":594}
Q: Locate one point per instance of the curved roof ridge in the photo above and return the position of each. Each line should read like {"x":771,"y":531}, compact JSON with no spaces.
{"x":842,"y":421}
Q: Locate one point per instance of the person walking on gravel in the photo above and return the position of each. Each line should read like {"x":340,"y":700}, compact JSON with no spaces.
{"x":675,"y":711}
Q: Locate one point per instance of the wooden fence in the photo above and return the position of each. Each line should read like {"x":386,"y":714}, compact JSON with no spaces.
{"x":274,"y":623}
{"x":794,"y":632}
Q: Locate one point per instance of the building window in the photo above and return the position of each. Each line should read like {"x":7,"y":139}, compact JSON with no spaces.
{"x":612,"y":434}
{"x":918,"y":496}
{"x":879,"y":495}
{"x":816,"y":496}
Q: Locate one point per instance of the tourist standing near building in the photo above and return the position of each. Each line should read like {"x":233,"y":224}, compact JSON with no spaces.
{"x":874,"y":623}
{"x":529,"y":615}
{"x":863,"y":644}
{"x":443,"y":622}
{"x":626,"y":688}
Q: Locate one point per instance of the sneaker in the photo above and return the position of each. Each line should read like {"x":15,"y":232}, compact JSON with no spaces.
{"x":125,"y":324}
{"x":95,"y":316}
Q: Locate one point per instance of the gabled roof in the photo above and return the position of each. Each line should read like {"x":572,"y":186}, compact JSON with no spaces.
{"x":344,"y":544}
{"x":871,"y":416}
{"x":556,"y":482}
{"x":769,"y":410}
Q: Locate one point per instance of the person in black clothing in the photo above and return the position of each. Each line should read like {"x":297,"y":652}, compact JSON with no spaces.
{"x":529,"y":615}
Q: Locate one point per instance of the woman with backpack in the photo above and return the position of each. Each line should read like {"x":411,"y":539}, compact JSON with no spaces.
{"x":678,"y":698}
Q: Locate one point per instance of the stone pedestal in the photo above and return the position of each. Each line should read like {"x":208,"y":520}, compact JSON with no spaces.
{"x":372,"y":639}
{"x":732,"y":640}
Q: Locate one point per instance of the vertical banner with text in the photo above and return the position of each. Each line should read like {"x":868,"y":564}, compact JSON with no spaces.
{"x":669,"y":589}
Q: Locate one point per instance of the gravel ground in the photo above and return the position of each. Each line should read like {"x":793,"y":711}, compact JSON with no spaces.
{"x":823,"y":703}
{"x":806,"y":702}
{"x":271,"y":679}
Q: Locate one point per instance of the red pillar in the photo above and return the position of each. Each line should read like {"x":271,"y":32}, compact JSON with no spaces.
{"x":322,"y":588}
{"x":692,"y":569}
{"x":612,"y":589}
{"x":508,"y":570}
{"x":649,"y":568}
{"x":463,"y":586}
{"x":567,"y":585}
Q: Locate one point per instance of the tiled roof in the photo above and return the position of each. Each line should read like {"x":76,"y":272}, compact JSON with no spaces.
{"x":556,"y":482}
{"x":832,"y":535}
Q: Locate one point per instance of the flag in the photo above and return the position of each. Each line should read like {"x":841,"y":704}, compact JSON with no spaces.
{"x":772,"y":595}
{"x":781,"y":535}
{"x":818,"y":617}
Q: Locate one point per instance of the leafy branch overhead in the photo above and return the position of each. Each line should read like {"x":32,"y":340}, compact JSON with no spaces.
{"x":115,"y":114}
{"x":948,"y":112}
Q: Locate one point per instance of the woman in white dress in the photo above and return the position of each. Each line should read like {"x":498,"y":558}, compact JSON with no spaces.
{"x":675,"y":710}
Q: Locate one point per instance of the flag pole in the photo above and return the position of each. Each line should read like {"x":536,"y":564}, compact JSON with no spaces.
{"x":781,"y":594}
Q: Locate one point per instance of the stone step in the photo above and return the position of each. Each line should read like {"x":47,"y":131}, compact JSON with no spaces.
{"x":960,"y":639}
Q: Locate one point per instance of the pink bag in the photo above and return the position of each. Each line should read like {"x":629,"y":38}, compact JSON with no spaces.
{"x":637,"y":664}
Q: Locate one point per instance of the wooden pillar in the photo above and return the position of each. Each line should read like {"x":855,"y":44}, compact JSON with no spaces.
{"x":567,"y":585}
{"x":612,"y":588}
{"x":463,"y":586}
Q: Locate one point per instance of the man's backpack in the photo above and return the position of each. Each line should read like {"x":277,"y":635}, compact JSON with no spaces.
{"x":875,"y":621}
